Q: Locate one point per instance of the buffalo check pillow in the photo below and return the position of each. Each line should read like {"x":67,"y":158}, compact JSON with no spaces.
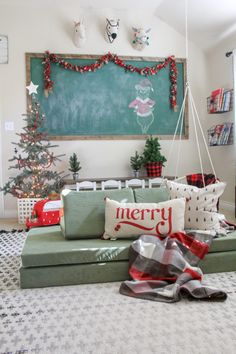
{"x":201,"y":204}
{"x":125,"y":220}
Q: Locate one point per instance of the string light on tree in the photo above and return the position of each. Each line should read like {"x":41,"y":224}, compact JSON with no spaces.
{"x":34,"y":160}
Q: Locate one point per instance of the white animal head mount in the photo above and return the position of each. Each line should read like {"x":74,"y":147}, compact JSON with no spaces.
{"x":79,"y":36}
{"x":141,"y":38}
{"x":111,"y":31}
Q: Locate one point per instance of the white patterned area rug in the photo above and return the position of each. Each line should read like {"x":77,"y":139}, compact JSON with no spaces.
{"x":96,"y":319}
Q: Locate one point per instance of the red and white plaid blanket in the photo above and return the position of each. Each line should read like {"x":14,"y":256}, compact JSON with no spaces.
{"x":165,"y":268}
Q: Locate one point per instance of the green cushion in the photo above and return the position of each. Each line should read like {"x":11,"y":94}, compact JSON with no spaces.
{"x":84,"y":212}
{"x":151,"y":195}
{"x":219,"y":262}
{"x":39,"y":277}
{"x":224,"y":243}
{"x":46,"y":246}
{"x":49,"y":260}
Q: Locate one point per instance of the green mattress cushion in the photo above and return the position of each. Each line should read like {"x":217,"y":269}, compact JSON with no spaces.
{"x":72,"y":274}
{"x":38,"y":277}
{"x":46,"y":246}
{"x":151,"y":195}
{"x":84,"y":212}
{"x":224,"y":243}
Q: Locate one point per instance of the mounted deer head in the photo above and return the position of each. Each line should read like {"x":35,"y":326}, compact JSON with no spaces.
{"x":79,"y":36}
{"x":141,"y":38}
{"x":111,"y":30}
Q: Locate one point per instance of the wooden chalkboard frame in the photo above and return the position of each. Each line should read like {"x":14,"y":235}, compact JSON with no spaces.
{"x":28,"y":57}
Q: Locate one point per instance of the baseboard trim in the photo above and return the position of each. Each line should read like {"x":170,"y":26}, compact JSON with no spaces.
{"x":10,"y":214}
{"x":227,"y":206}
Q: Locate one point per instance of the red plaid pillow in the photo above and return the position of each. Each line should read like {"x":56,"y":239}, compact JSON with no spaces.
{"x":197,"y":180}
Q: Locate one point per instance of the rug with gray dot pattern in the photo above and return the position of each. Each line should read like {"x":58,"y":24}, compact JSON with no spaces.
{"x":96,"y":319}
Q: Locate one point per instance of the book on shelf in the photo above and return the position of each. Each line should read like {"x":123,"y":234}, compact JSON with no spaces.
{"x":226,"y":100}
{"x":225,"y":133}
{"x":219,"y":134}
{"x":216,"y":100}
{"x":220,"y":100}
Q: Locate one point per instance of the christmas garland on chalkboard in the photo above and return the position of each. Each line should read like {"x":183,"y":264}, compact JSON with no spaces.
{"x":98,"y":64}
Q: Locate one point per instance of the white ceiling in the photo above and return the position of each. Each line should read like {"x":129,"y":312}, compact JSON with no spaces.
{"x":209,"y":21}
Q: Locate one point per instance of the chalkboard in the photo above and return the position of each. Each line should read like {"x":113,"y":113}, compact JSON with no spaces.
{"x":103,"y":104}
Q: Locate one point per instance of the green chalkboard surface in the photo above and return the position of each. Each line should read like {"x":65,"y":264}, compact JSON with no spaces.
{"x":106,"y":104}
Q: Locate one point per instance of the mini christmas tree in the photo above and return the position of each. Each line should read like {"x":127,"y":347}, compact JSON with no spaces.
{"x":74,"y":163}
{"x":136,"y":161}
{"x":152,"y":151}
{"x":36,"y":179}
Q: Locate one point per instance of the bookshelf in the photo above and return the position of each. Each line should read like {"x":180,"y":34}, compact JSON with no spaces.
{"x":220,"y":101}
{"x":221,"y":134}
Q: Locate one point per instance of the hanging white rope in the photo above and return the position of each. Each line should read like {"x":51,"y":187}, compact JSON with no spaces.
{"x":181,"y":115}
{"x":186,"y":36}
{"x":189,"y":90}
{"x":203,"y":136}
{"x":195,"y":116}
{"x":186,"y":90}
{"x":182,"y":109}
{"x":197,"y":140}
{"x":180,"y":139}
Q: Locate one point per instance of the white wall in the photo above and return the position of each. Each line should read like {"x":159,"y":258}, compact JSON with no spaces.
{"x":1,"y":175}
{"x":220,"y":71}
{"x":36,"y":28}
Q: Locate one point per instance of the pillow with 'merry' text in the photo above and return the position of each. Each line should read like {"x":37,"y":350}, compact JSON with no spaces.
{"x":124,"y":220}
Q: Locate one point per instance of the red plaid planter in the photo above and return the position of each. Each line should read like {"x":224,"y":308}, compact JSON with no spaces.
{"x":154,"y":169}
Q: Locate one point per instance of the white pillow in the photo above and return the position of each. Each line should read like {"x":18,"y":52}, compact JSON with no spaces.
{"x":201,"y":204}
{"x":124,"y":220}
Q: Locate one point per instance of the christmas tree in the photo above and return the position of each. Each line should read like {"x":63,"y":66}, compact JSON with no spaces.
{"x":136,"y":161}
{"x":36,"y":178}
{"x":74,"y":163}
{"x":152,"y":151}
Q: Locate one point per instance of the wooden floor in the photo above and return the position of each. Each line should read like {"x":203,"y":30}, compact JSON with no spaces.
{"x":9,"y":224}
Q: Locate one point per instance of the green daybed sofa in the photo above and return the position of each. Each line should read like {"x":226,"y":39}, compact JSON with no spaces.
{"x":50,"y":259}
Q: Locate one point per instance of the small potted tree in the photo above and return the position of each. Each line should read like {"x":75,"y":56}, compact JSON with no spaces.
{"x":152,"y":158}
{"x":74,"y":166}
{"x":136,"y":163}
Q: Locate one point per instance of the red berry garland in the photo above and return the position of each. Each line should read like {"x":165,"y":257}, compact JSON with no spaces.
{"x":98,"y":64}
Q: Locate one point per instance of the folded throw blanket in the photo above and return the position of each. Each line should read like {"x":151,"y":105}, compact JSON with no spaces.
{"x":165,"y":268}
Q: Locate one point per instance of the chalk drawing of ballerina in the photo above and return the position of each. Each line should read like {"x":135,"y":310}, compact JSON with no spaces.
{"x":143,"y":105}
